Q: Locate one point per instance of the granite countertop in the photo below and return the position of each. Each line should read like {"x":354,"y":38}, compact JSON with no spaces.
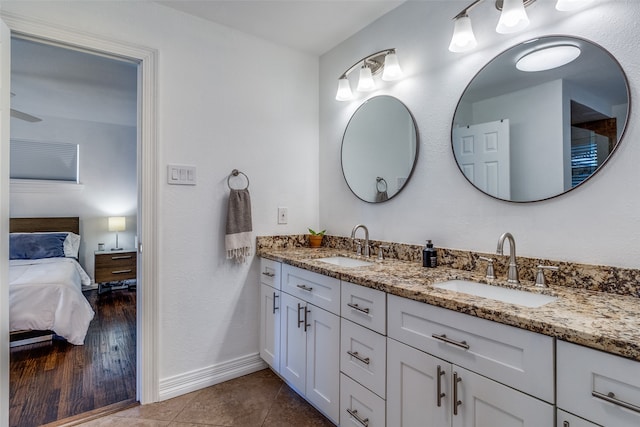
{"x":599,"y":320}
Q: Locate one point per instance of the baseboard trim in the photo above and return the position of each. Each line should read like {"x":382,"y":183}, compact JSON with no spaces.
{"x":212,"y":375}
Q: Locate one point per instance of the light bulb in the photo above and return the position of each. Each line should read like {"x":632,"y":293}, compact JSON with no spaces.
{"x":365,"y":82}
{"x":548,"y":58}
{"x":392,"y":70}
{"x":344,"y":90}
{"x":513,"y":17}
{"x":463,"y":38}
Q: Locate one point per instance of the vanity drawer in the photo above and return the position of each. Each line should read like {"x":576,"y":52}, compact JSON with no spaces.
{"x":270,"y":272}
{"x":363,"y":356}
{"x":565,"y":419}
{"x":509,"y":355}
{"x":365,"y":306}
{"x":359,"y":406}
{"x":598,"y":386}
{"x":321,"y":291}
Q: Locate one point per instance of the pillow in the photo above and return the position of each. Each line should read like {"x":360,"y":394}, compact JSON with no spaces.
{"x":71,"y":243}
{"x":36,"y":245}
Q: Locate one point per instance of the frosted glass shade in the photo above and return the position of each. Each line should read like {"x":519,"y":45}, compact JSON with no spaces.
{"x":392,"y":70}
{"x":463,"y":38}
{"x":567,"y":5}
{"x":344,"y":90}
{"x":365,"y":82}
{"x":117,"y":223}
{"x":548,"y":58}
{"x":513,"y":17}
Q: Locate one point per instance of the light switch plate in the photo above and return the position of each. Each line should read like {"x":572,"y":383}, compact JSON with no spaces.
{"x":283,"y":215}
{"x":181,"y":174}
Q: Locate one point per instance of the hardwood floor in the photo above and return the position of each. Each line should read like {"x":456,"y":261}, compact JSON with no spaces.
{"x":56,"y":380}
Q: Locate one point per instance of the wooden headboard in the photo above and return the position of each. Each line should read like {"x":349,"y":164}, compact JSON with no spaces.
{"x":44,"y":224}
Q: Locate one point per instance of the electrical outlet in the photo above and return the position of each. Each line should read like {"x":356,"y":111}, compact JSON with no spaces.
{"x":283,"y":215}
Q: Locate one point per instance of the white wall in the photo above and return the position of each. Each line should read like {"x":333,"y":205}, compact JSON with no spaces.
{"x":226,"y":100}
{"x":438,"y":203}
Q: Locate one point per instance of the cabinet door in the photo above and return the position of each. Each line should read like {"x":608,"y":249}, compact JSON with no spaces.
{"x":412,"y":388}
{"x":323,"y":361}
{"x":293,"y":342}
{"x":270,"y":326}
{"x":486,"y":403}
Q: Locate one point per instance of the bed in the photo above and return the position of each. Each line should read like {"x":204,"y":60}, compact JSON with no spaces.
{"x":45,"y":281}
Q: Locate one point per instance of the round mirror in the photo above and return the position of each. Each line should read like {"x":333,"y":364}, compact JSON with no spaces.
{"x":540,"y":119}
{"x":379,"y":149}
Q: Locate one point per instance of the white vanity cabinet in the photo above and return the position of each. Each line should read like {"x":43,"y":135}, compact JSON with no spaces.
{"x":270,"y":273}
{"x":310,"y":338}
{"x":440,"y":357}
{"x":597,"y":386}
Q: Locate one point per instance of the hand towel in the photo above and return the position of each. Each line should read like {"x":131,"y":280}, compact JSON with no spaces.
{"x":382,"y":196}
{"x":238,"y":232}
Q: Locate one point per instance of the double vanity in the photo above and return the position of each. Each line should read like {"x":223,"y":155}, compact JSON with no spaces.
{"x":387,"y":342}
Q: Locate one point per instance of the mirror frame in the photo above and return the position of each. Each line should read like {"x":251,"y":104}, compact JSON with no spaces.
{"x":599,"y":168}
{"x":415,"y":158}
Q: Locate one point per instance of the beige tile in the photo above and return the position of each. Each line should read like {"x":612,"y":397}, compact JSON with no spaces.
{"x":110,"y":421}
{"x":162,"y":411}
{"x":291,"y":410}
{"x":243,"y":402}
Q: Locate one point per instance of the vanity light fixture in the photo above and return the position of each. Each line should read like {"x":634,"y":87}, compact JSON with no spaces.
{"x":548,"y":58}
{"x":513,"y":18}
{"x":385,"y":61}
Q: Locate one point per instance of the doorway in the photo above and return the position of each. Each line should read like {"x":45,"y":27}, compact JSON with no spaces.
{"x":147,"y":296}
{"x":73,"y":153}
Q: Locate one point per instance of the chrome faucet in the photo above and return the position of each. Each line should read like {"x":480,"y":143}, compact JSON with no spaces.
{"x":366,"y":239}
{"x":512,"y":276}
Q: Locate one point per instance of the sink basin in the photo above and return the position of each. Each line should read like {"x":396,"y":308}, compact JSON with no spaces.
{"x":344,"y":261}
{"x":512,"y":296}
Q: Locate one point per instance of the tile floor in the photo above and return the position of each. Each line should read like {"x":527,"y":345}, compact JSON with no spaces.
{"x":260,"y":399}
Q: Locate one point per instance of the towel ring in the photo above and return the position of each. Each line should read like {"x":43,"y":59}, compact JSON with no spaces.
{"x":379,"y":181}
{"x":236,"y":172}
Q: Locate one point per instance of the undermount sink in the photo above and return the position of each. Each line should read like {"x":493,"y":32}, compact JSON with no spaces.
{"x":512,"y":296}
{"x":343,"y":261}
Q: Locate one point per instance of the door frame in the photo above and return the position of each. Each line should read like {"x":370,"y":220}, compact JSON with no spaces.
{"x":147,"y":359}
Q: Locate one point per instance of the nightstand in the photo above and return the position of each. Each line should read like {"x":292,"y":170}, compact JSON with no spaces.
{"x":114,"y":266}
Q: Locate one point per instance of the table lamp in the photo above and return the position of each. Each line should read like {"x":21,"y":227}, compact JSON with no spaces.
{"x":117,"y":223}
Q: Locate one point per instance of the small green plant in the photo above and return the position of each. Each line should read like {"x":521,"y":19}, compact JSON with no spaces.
{"x":317,"y":233}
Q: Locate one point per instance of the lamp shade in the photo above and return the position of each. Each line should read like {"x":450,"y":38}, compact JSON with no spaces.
{"x":365,"y":82}
{"x":117,"y":223}
{"x":513,"y":17}
{"x":463,"y":38}
{"x":344,"y":90}
{"x":392,"y":70}
{"x":567,"y":5}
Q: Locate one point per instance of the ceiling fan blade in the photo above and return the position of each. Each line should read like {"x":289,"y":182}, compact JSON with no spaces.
{"x":24,"y":116}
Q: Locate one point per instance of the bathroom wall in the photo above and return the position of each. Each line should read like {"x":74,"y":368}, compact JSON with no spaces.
{"x":225,"y":100}
{"x":597,"y":223}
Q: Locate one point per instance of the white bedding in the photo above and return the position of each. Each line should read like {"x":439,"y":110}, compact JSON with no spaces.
{"x":46,"y":294}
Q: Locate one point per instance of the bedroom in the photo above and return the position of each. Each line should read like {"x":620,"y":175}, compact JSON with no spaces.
{"x":283,"y":112}
{"x":86,"y":102}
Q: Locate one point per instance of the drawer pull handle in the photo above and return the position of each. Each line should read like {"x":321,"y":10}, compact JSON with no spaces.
{"x":305,"y":288}
{"x":121,"y":257}
{"x":440,"y":373}
{"x":357,"y":307}
{"x":456,"y":402}
{"x":565,"y":424}
{"x":355,"y":354}
{"x":121,"y":271}
{"x":274,"y":303}
{"x":266,"y":273}
{"x":611,"y":398}
{"x":354,"y":414}
{"x":443,"y":337}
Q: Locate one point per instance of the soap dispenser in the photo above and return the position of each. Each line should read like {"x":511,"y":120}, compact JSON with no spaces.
{"x":429,"y":255}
